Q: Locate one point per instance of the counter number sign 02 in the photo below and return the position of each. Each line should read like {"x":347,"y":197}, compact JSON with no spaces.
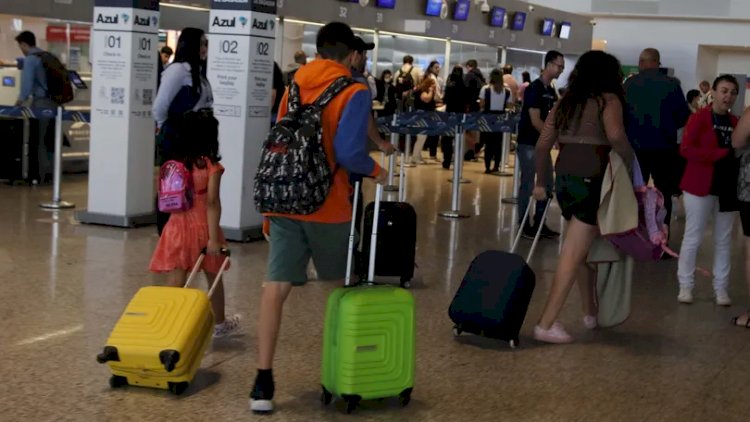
{"x":228,"y":46}
{"x":263,"y":48}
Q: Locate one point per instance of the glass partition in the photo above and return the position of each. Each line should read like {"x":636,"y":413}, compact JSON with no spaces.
{"x":392,"y":49}
{"x":486,"y":56}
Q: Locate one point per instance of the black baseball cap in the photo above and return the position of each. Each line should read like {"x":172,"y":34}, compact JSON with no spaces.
{"x":335,"y":32}
{"x":361,"y":45}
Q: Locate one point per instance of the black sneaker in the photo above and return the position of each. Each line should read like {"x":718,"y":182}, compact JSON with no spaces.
{"x":549,"y":233}
{"x":261,"y":398}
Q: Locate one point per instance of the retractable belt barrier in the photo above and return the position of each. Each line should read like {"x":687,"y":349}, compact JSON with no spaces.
{"x":432,"y":123}
{"x":45,"y":113}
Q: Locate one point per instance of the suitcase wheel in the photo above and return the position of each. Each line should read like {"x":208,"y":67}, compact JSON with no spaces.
{"x":351,"y":402}
{"x":109,"y":354}
{"x":405,"y":397}
{"x":178,"y":388}
{"x":326,"y":397}
{"x":117,"y":381}
{"x":457,"y":331}
{"x":406,"y":284}
{"x":169,"y":359}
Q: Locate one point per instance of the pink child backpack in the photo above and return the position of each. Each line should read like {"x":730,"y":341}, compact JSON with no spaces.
{"x":648,"y":241}
{"x":175,"y":187}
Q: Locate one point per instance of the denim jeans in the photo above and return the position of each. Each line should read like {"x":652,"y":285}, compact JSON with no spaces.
{"x":527,"y":160}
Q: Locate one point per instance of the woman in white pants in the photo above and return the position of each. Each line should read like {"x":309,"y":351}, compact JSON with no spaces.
{"x":710,"y":188}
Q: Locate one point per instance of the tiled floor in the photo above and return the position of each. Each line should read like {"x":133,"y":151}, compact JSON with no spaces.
{"x":63,"y":285}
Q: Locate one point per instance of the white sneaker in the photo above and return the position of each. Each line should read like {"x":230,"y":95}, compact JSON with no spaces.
{"x":722,"y":298}
{"x":229,"y":326}
{"x":686,"y":295}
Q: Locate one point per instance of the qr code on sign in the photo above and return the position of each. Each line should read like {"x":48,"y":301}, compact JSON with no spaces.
{"x":148,"y":96}
{"x":118,"y":95}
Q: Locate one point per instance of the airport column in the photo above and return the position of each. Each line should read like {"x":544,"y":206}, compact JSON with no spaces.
{"x":121,"y":165}
{"x":240,"y":69}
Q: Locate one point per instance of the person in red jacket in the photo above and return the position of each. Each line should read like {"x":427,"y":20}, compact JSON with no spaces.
{"x":710,"y":187}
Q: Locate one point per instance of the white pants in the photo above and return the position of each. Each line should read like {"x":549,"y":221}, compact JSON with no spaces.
{"x":698,"y":210}
{"x":418,"y":147}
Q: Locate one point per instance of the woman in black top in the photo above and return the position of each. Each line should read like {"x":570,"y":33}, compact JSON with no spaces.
{"x":386,"y":93}
{"x":424,"y":99}
{"x":455,"y":99}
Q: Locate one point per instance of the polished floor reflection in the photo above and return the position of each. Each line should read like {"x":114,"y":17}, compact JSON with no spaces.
{"x":63,"y":285}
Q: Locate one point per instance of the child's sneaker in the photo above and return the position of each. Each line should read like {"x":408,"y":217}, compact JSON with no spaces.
{"x":261,"y":398}
{"x":228,"y":327}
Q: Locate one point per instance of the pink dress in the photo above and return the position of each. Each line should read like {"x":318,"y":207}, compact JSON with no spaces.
{"x":186,"y":233}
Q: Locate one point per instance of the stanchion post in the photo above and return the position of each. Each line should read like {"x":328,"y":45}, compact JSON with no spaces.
{"x":57,"y":202}
{"x":516,"y":184}
{"x":455,"y":211}
{"x":391,"y":186}
{"x":460,"y":160}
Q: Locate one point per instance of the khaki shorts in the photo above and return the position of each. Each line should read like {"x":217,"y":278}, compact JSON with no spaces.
{"x":294,"y":242}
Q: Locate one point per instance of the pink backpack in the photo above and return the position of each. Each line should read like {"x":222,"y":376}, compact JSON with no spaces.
{"x":175,"y":187}
{"x":648,"y":241}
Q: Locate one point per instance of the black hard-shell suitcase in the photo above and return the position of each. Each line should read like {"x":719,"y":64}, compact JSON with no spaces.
{"x":494,"y":297}
{"x":495,"y":293}
{"x":396,"y":243}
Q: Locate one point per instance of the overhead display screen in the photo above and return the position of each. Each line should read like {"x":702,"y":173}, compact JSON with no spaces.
{"x":461,"y":12}
{"x":497,"y":17}
{"x":519,"y":21}
{"x":433,"y":7}
{"x":386,"y":4}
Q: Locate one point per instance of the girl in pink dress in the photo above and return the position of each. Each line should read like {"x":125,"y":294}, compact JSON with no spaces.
{"x":188,"y":232}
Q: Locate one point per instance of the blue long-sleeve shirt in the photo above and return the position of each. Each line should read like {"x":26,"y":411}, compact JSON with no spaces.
{"x":33,"y":77}
{"x":350,"y":143}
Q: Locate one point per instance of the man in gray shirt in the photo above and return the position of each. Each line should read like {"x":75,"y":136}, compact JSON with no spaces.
{"x":34,"y":93}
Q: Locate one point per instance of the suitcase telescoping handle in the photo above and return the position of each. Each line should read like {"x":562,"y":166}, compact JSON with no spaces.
{"x":373,"y":237}
{"x":538,"y":230}
{"x":224,"y":251}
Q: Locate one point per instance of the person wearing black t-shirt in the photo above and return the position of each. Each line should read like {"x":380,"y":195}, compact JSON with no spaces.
{"x":538,"y":100}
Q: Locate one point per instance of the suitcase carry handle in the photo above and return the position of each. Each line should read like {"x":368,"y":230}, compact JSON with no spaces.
{"x":538,"y":230}
{"x":224,"y":251}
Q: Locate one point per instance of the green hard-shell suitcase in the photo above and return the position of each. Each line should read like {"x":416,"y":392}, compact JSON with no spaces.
{"x":369,"y":338}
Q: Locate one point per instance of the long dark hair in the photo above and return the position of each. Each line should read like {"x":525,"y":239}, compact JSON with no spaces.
{"x":456,"y":78}
{"x":197,"y":139}
{"x":596,"y":73}
{"x":189,"y":51}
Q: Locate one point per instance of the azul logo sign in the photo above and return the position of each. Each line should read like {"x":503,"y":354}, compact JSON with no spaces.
{"x":224,"y":23}
{"x":243,"y":21}
{"x":145,"y":21}
{"x":266,"y":25}
{"x":107,"y":19}
{"x":125,"y":17}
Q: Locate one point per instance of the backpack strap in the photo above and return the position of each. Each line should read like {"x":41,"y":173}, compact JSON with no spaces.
{"x":294,"y":102}
{"x":332,"y":91}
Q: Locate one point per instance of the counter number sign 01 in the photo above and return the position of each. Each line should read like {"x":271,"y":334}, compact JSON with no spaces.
{"x":145,"y":44}
{"x":112,"y":41}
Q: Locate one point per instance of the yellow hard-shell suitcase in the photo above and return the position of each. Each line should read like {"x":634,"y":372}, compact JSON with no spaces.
{"x":160,"y":339}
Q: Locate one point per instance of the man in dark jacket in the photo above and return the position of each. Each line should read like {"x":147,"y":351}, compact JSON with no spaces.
{"x":657,"y":110}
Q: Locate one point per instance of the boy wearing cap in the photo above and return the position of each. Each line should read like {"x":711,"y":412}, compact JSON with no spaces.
{"x":322,"y":235}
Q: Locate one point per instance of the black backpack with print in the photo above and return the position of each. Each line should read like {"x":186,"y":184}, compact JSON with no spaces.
{"x":294,"y":176}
